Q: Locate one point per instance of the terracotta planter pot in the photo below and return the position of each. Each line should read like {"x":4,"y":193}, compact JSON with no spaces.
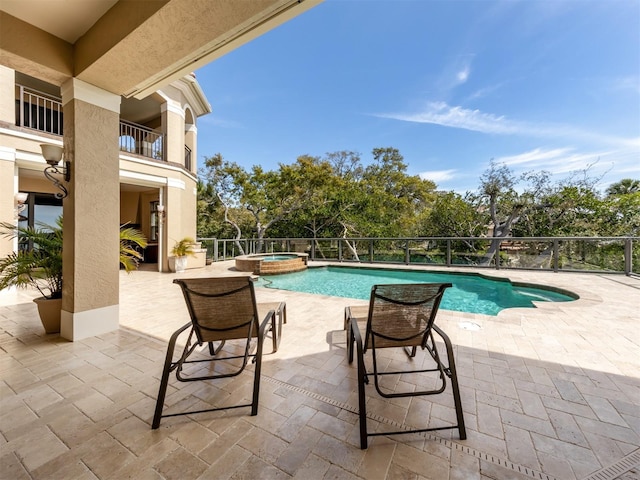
{"x":49,"y":310}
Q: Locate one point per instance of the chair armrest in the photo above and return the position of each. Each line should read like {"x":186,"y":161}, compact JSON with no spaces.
{"x":176,"y":334}
{"x":442,"y":335}
{"x":355,"y":330}
{"x":448,"y":346}
{"x":353,"y":335}
{"x":262,"y":329}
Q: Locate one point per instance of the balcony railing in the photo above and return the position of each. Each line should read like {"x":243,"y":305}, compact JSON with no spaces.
{"x":584,"y":254}
{"x":38,"y":110}
{"x":43,"y":112}
{"x":141,"y":140}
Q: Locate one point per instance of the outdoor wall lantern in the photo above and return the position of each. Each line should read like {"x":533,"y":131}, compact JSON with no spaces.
{"x":53,"y":154}
{"x":161,"y":213}
{"x":21,"y":202}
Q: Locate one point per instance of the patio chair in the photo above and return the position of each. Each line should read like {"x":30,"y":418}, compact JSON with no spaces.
{"x":401,"y":316}
{"x":221,"y":309}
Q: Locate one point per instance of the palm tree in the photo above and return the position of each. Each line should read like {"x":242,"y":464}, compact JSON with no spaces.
{"x":623,"y":187}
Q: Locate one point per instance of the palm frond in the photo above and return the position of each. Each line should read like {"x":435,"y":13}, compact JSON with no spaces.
{"x":40,"y":267}
{"x":131,"y":243}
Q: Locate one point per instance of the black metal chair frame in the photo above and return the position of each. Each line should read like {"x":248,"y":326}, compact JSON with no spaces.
{"x":194,"y":341}
{"x":280,"y":317}
{"x":428,"y":343}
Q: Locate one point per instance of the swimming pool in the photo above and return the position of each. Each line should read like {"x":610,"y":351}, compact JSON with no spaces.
{"x":471,"y":293}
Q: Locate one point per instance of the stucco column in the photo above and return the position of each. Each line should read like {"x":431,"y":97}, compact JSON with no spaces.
{"x":7,"y":95}
{"x":90,"y":295}
{"x":8,"y":188}
{"x":173,"y":129}
{"x":8,"y":169}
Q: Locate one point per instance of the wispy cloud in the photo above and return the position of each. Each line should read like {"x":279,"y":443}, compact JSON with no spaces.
{"x":556,"y":161}
{"x":610,"y":164}
{"x":438,"y":175}
{"x":440,"y":113}
{"x":535,"y":157}
{"x":454,"y":74}
{"x":486,"y":91}
{"x":463,"y":75}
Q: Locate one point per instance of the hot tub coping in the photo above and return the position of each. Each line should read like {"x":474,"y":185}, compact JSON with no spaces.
{"x":254,"y":263}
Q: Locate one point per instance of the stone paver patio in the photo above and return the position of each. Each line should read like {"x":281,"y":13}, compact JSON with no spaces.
{"x":548,"y":393}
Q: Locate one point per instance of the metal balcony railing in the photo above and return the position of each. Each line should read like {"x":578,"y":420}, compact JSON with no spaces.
{"x":43,"y":112}
{"x":141,"y":140}
{"x":576,"y":254}
{"x":38,"y":110}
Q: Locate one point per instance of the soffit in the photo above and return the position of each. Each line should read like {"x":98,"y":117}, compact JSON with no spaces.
{"x":65,"y":19}
{"x":134,"y":47}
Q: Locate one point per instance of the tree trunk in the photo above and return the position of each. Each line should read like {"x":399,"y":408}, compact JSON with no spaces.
{"x":233,"y":224}
{"x":351,"y":248}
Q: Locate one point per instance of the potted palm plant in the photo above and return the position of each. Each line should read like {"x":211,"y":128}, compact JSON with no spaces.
{"x":39,"y":264}
{"x":181,"y":249}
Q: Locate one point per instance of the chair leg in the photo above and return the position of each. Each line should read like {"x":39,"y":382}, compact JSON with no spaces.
{"x":350,"y":340}
{"x":411,"y":353}
{"x":454,"y":382}
{"x":274,"y":334}
{"x":277,"y":316}
{"x":355,"y":337}
{"x":168,"y":367}
{"x":280,"y":315}
{"x":258,"y":366}
{"x":362,"y":405}
{"x":256,"y":380}
{"x":213,"y":351}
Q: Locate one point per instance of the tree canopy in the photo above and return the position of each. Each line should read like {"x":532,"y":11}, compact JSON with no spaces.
{"x":339,"y":196}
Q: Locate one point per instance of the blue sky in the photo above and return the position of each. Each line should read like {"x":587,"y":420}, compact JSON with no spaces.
{"x":537,"y":84}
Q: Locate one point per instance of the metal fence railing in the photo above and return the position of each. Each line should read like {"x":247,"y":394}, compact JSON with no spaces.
{"x":584,"y":254}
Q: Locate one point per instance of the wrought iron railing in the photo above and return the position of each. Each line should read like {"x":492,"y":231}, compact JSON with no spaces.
{"x":141,"y":140}
{"x":38,"y":110}
{"x":43,"y":112}
{"x":584,"y":254}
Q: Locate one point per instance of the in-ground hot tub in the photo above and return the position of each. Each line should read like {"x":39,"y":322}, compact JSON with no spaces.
{"x":272,"y":264}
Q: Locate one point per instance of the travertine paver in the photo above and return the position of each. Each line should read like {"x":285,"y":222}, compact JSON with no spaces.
{"x":548,"y":393}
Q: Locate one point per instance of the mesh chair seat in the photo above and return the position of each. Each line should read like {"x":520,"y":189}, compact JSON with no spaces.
{"x":401,"y":316}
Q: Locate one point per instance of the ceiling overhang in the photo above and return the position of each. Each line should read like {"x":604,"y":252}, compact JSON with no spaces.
{"x":136,"y":48}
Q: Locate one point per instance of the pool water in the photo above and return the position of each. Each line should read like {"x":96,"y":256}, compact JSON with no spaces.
{"x":470,"y":293}
{"x":276,"y":258}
